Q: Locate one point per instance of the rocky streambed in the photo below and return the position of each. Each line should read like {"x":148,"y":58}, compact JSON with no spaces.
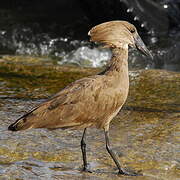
{"x":145,"y":134}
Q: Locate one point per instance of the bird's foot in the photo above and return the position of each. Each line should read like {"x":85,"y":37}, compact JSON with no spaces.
{"x":129,"y":173}
{"x":86,"y":169}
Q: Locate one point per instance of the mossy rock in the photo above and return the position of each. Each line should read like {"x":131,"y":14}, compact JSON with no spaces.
{"x":152,"y":90}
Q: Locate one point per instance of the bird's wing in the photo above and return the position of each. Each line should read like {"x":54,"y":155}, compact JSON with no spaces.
{"x":76,"y":104}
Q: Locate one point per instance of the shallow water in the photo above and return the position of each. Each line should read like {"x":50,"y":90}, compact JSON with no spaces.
{"x":144,"y":135}
{"x":145,"y":141}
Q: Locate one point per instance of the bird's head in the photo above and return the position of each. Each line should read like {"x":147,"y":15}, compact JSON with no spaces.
{"x":118,"y":34}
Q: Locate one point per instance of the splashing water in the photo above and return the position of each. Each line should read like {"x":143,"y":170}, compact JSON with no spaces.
{"x":85,"y":56}
{"x":32,"y":41}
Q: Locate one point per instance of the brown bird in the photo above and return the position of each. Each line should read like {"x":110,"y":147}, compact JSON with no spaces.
{"x":93,"y":101}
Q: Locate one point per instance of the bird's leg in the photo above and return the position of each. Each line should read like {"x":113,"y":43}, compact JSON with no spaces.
{"x":114,"y":157}
{"x":112,"y":154}
{"x":83,"y":149}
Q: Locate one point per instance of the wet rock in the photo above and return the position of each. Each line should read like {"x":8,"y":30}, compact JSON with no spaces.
{"x":156,"y":90}
{"x":36,"y":78}
{"x":144,"y":134}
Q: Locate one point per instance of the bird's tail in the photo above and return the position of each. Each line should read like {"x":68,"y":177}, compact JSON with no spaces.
{"x":18,"y":125}
{"x":22,"y":123}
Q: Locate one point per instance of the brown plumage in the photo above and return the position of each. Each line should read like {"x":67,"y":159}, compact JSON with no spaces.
{"x":95,"y":100}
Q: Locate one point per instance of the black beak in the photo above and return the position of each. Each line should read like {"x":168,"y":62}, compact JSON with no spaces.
{"x":141,"y":46}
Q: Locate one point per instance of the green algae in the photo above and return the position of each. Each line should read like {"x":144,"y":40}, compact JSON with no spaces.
{"x":155,"y":90}
{"x":62,"y":156}
{"x":37,"y":81}
{"x":20,"y":154}
{"x":12,"y":156}
{"x":150,"y":89}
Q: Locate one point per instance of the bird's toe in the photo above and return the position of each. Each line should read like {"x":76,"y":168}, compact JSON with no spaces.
{"x":86,"y":169}
{"x":129,"y":173}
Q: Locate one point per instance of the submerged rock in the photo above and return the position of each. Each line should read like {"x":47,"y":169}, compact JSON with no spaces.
{"x":144,"y":134}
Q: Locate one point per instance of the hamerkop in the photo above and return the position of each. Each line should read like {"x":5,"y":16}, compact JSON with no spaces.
{"x":92,"y":101}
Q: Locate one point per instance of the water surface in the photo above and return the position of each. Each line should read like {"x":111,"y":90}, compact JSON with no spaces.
{"x":144,"y":135}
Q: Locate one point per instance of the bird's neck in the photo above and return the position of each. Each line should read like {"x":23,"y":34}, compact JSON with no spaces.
{"x":118,"y":63}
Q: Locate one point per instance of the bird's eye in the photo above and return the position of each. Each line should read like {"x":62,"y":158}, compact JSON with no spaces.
{"x":132,"y":30}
